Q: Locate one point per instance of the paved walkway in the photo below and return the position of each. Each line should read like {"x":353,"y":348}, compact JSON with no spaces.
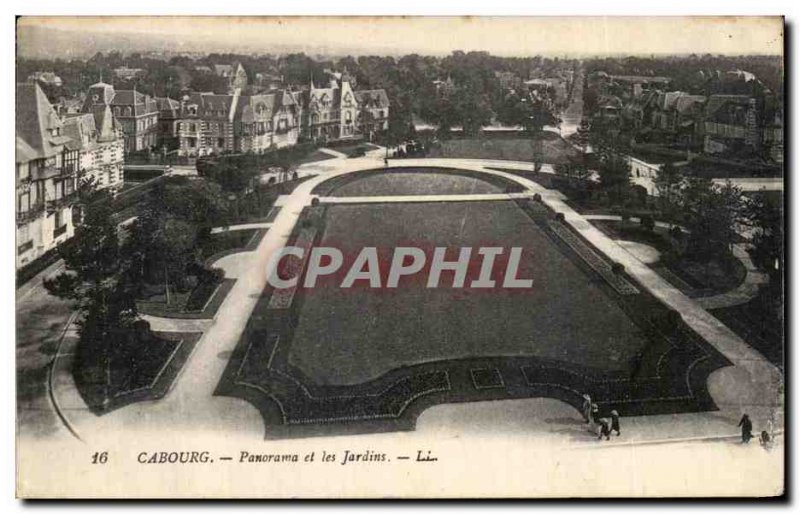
{"x":160,"y":324}
{"x":745,"y":292}
{"x":748,"y":386}
{"x":487,"y":197}
{"x":753,"y":184}
{"x":243,"y":226}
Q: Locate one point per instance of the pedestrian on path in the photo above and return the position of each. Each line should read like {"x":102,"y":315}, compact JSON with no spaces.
{"x":586,"y":409}
{"x":615,"y":421}
{"x":765,"y":440}
{"x":604,"y":429}
{"x":771,"y":426}
{"x":594,"y":416}
{"x":747,"y":428}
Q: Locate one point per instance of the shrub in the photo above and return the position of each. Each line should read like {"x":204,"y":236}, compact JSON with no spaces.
{"x":315,"y":201}
{"x":537,"y":197}
{"x":559,"y":216}
{"x":618,"y":268}
{"x":648,"y":223}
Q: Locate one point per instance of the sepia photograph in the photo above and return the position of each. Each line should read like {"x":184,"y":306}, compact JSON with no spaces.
{"x":394,"y":257}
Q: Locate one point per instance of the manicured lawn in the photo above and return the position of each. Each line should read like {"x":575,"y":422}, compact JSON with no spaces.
{"x":315,"y":156}
{"x":333,"y":360}
{"x":655,"y":157}
{"x":711,"y":169}
{"x":554,"y":149}
{"x":228,"y":241}
{"x":414,"y":181}
{"x":145,"y":371}
{"x":630,"y":231}
{"x":758,"y":323}
{"x":351,"y":336}
{"x":693,"y":278}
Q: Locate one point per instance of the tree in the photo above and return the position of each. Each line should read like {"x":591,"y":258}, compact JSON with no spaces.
{"x":711,"y":214}
{"x":766,"y":220}
{"x":233,"y":175}
{"x":668,"y":183}
{"x":200,"y":202}
{"x":581,"y":136}
{"x":615,"y":175}
{"x":99,"y":279}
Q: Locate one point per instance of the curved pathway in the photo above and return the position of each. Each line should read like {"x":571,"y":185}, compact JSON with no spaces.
{"x":743,"y":293}
{"x":191,"y":402}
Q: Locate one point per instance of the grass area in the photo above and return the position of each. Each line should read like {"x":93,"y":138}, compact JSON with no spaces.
{"x":352,"y":150}
{"x":415,"y":181}
{"x":714,"y":277}
{"x":692,"y":277}
{"x":227,"y":241}
{"x":759,"y":323}
{"x":658,"y":238}
{"x":708,"y":168}
{"x":350,"y":336}
{"x":315,"y":156}
{"x":654,"y":156}
{"x":143,"y":370}
{"x":257,"y":207}
{"x":554,"y":149}
{"x":377,"y":358}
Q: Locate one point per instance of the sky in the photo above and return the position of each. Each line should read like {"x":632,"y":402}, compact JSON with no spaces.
{"x":506,"y":36}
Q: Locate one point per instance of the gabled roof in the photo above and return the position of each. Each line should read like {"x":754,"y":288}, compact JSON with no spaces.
{"x":24,"y":151}
{"x":730,"y":109}
{"x":209,"y":106}
{"x":81,"y":130}
{"x":716,"y":102}
{"x":35,"y":122}
{"x":141,"y":103}
{"x":679,"y":101}
{"x":372,"y":98}
{"x":256,"y":107}
{"x":168,"y":107}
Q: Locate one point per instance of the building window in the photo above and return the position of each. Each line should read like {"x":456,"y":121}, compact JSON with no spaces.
{"x":221,"y":141}
{"x":24,"y":201}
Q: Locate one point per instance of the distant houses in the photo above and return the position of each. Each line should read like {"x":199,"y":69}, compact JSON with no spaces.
{"x":243,"y":122}
{"x":137,"y":114}
{"x":729,"y":124}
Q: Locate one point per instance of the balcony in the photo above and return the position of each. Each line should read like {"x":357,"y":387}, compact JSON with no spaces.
{"x":24,"y":247}
{"x":31,"y":214}
{"x":64,"y":201}
{"x":59,"y":231}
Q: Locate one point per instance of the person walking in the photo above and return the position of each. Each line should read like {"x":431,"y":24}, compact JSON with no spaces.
{"x":771,"y":426}
{"x":594,"y":416}
{"x":615,"y":421}
{"x":604,"y":429}
{"x":586,"y":408}
{"x":747,"y":428}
